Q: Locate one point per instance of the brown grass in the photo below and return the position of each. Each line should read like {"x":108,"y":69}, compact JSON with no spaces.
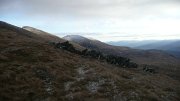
{"x":21,"y":56}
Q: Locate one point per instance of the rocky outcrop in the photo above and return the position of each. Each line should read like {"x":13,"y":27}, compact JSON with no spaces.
{"x":46,"y":78}
{"x":111,"y":59}
{"x":149,"y":69}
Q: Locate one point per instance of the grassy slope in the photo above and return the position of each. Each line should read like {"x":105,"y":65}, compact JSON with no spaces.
{"x":166,"y":63}
{"x":31,"y":69}
{"x":49,"y":37}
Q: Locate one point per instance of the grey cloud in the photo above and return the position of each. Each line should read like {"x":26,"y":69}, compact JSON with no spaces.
{"x":87,"y":8}
{"x":130,"y":18}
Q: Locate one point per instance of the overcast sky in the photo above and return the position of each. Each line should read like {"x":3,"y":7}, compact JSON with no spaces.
{"x":106,"y":20}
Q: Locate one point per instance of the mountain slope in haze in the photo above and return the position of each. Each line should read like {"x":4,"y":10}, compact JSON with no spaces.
{"x":33,"y":70}
{"x":162,"y":44}
{"x":118,"y":50}
{"x":169,"y":46}
{"x":92,"y":44}
{"x":131,"y":43}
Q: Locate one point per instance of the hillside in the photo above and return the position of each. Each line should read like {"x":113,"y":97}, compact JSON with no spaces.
{"x":92,"y":44}
{"x":137,"y":55}
{"x":31,"y":69}
{"x":161,"y":59}
{"x":44,"y":35}
{"x":49,"y":37}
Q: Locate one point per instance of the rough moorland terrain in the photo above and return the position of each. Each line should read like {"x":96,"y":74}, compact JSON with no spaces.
{"x":32,"y":69}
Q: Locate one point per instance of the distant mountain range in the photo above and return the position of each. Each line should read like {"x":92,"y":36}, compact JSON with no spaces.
{"x":169,"y":46}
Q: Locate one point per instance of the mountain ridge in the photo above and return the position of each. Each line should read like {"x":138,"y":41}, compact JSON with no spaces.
{"x":106,"y":48}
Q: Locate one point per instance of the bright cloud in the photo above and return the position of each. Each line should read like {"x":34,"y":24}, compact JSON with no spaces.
{"x":111,"y":19}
